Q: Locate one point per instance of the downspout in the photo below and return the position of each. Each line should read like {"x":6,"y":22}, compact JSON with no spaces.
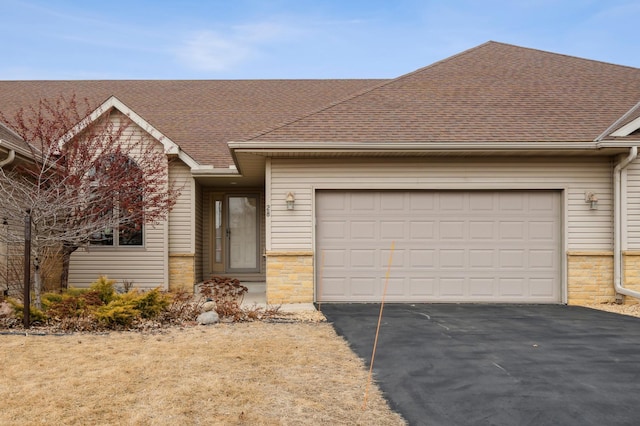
{"x":617,"y":224}
{"x":9,"y":159}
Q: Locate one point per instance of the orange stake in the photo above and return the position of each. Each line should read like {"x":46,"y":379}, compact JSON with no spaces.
{"x":375,"y":342}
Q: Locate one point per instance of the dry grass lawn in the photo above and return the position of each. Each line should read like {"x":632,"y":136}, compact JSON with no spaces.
{"x":231,"y":374}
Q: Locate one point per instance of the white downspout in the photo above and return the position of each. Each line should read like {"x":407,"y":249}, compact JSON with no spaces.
{"x":617,"y":224}
{"x":9,"y":159}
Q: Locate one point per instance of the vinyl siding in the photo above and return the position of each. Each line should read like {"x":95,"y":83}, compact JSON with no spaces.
{"x":586,"y":229}
{"x":146,"y":266}
{"x":633,"y":206}
{"x":181,"y":218}
{"x":198,"y":206}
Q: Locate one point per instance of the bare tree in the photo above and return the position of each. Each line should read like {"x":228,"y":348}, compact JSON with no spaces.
{"x":92,"y":179}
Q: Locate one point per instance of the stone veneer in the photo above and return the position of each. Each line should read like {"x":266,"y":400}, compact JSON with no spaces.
{"x":289,"y":277}
{"x":631,"y":265}
{"x":181,"y":271}
{"x":590,"y":277}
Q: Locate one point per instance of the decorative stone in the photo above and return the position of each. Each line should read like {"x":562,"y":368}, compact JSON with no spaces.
{"x":207,"y":318}
{"x":208,"y":306}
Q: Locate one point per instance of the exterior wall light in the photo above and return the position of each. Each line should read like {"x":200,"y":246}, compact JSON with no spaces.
{"x":291,"y":199}
{"x":592,"y":199}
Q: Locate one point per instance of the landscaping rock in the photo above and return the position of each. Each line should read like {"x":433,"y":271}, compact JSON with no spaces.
{"x":207,"y":318}
{"x":208,"y":306}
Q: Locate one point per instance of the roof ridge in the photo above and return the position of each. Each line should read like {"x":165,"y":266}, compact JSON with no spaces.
{"x":365,"y":91}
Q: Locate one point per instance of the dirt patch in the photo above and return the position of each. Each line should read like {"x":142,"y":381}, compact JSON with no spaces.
{"x":233,"y":374}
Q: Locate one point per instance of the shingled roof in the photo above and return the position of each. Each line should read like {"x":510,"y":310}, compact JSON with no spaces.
{"x":201,"y":116}
{"x":492,"y":93}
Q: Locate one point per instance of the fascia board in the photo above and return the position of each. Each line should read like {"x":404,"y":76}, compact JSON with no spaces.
{"x":408,"y":147}
{"x":628,"y":128}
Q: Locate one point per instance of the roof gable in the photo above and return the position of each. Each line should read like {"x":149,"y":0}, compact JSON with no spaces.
{"x":492,"y":93}
{"x":170,"y":147}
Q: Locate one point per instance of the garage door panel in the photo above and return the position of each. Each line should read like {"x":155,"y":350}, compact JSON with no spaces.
{"x":512,"y":230}
{"x":392,"y":230}
{"x":363,"y":258}
{"x":451,"y":258}
{"x":364,"y":286}
{"x":451,"y":201}
{"x":422,"y":230}
{"x":422,"y":259}
{"x":452,"y":286}
{"x":452,"y":230}
{"x":450,"y":246}
{"x":542,"y":230}
{"x":541,"y":287}
{"x":510,"y":259}
{"x":422,"y":287}
{"x":482,"y":258}
{"x":542,"y":259}
{"x":481,"y":230}
{"x":481,"y":287}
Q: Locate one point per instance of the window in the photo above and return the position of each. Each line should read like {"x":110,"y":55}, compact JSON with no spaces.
{"x":121,"y":213}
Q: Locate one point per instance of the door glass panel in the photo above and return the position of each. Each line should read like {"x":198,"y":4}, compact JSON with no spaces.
{"x":218,"y":231}
{"x":243,"y":233}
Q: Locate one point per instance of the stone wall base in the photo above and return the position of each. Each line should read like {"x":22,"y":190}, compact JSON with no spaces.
{"x":182,"y":272}
{"x":289,"y":277}
{"x":590,"y":277}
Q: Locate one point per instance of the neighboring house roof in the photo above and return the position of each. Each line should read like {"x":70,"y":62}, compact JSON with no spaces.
{"x":492,"y":93}
{"x":201,"y":116}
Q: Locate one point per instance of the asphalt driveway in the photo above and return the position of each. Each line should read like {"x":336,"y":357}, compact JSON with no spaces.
{"x":451,"y":364}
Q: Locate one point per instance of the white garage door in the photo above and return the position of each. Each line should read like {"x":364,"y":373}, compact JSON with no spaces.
{"x":450,"y":246}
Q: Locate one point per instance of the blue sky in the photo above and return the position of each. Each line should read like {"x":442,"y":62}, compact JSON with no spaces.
{"x":250,"y":39}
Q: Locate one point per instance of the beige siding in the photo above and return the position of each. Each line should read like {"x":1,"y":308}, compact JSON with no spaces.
{"x":207,"y":223}
{"x":586,"y":229}
{"x":198,"y":232}
{"x":146,"y":266}
{"x":633,"y":206}
{"x":181,"y":218}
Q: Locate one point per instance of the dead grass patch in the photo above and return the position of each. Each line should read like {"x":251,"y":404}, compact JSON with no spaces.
{"x":232,"y":374}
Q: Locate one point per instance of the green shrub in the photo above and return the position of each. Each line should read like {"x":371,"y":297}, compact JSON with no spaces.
{"x":151,"y":303}
{"x":117,"y":313}
{"x":105,"y":288}
{"x":35,"y":315}
{"x":126,"y":308}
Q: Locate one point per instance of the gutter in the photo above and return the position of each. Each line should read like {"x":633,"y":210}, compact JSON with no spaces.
{"x":9,"y":159}
{"x":618,"y":229}
{"x":253,"y":146}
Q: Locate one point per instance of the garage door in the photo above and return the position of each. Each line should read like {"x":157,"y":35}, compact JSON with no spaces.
{"x":450,"y":246}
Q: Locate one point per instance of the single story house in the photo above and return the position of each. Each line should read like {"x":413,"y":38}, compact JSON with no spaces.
{"x":500,"y":174}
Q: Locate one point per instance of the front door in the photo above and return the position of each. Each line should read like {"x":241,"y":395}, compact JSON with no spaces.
{"x":242,"y":236}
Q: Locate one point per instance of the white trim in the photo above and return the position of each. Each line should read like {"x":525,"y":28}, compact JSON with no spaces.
{"x":267,"y":204}
{"x":387,"y":147}
{"x":170,"y":147}
{"x":628,"y":128}
{"x":564,"y":261}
